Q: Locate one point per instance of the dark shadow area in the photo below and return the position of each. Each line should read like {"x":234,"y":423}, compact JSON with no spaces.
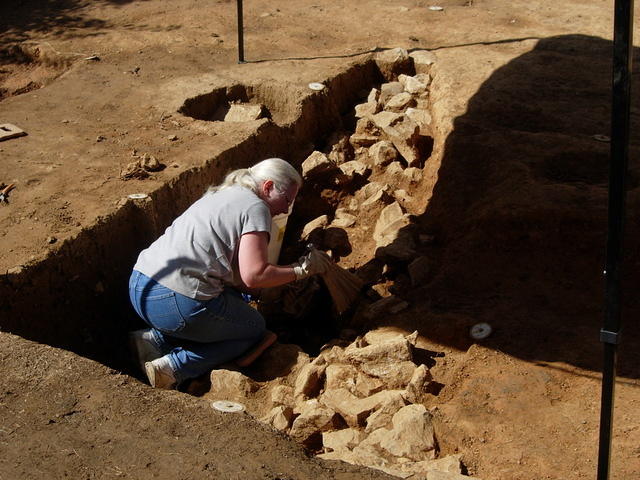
{"x":44,"y":16}
{"x":519,"y":212}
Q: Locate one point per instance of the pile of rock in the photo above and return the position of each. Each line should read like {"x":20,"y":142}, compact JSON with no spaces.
{"x":381,"y":160}
{"x":362,"y":403}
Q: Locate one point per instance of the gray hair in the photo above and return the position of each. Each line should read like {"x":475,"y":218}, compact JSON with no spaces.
{"x":279,"y":171}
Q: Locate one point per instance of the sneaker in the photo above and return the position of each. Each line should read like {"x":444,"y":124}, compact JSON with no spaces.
{"x":143,"y":346}
{"x":160,"y":373}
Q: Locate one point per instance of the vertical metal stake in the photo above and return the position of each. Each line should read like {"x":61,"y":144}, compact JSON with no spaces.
{"x":620,"y":108}
{"x":240,"y":34}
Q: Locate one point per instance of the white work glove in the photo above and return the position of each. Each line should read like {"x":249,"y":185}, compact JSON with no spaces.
{"x":312,"y":263}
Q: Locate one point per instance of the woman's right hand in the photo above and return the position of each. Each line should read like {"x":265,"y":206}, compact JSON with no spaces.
{"x":313,"y":263}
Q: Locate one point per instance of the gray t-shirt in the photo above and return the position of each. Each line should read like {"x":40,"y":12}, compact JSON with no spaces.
{"x":198,"y":253}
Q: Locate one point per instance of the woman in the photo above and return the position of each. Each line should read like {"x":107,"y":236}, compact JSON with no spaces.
{"x":186,"y":285}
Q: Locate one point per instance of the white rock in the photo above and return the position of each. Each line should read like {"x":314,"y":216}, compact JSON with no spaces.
{"x":343,"y":219}
{"x":282,"y":395}
{"x":355,"y":167}
{"x":316,"y":164}
{"x":417,"y":386}
{"x":391,"y":219}
{"x":309,"y":381}
{"x":412,"y":435}
{"x":382,"y":417}
{"x":382,"y":153}
{"x":347,"y":438}
{"x":311,"y":422}
{"x":422,"y":60}
{"x":341,"y":376}
{"x":422,"y":118}
{"x":279,"y":417}
{"x":388,"y":90}
{"x":231,"y":385}
{"x":413,"y":85}
{"x":399,"y":102}
{"x":244,"y":112}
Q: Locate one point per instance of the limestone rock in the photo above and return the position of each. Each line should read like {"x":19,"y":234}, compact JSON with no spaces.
{"x":382,"y":153}
{"x":309,"y":425}
{"x":393,"y":374}
{"x":395,"y":169}
{"x":388,"y":334}
{"x":412,"y":434}
{"x":414,"y":85}
{"x":393,"y":62}
{"x":334,"y":354}
{"x":282,"y":395}
{"x":309,"y":381}
{"x":422,"y":118}
{"x":384,"y":120}
{"x":367,"y":385}
{"x":341,"y":376}
{"x":354,"y":168}
{"x":417,"y":386}
{"x":380,"y":197}
{"x":388,"y":90}
{"x":343,"y":219}
{"x":403,"y":132}
{"x":352,"y":409}
{"x":390,"y":221}
{"x":422,"y":60}
{"x":317,"y":164}
{"x":279,"y":417}
{"x":367,"y":126}
{"x":230,"y":385}
{"x":391,"y":351}
{"x":347,"y":438}
{"x":400,"y":102}
{"x":244,"y":112}
{"x":414,"y":175}
{"x":359,"y":140}
{"x":366,"y":109}
{"x":419,"y":270}
{"x":383,"y":416}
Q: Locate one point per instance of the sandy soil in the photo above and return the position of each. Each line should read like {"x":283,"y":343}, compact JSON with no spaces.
{"x":514,"y":195}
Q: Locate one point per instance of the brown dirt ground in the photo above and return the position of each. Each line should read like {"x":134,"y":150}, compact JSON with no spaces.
{"x":515,"y":197}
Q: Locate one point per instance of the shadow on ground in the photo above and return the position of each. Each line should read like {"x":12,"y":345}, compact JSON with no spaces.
{"x":44,"y":16}
{"x":519,"y":211}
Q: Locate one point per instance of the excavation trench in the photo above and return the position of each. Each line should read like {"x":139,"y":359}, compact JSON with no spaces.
{"x":76,"y":298}
{"x":365,"y":146}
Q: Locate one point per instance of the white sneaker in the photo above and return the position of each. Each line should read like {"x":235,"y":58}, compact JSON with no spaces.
{"x":160,"y":373}
{"x":143,"y":346}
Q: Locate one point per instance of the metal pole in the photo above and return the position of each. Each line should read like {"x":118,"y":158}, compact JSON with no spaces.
{"x":240,"y":34}
{"x":609,"y":334}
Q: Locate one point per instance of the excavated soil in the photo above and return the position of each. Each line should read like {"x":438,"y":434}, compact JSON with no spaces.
{"x":513,"y":200}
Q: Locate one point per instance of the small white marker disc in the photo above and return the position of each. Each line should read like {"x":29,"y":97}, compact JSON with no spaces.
{"x":602,"y":138}
{"x":316,"y":86}
{"x":480,"y":331}
{"x":227,"y":406}
{"x":137,"y":196}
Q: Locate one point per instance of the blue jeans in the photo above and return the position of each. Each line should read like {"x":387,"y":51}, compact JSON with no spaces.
{"x":196,"y":335}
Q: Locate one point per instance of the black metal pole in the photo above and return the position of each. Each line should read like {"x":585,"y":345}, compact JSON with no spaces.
{"x":240,"y":34}
{"x":610,"y":333}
